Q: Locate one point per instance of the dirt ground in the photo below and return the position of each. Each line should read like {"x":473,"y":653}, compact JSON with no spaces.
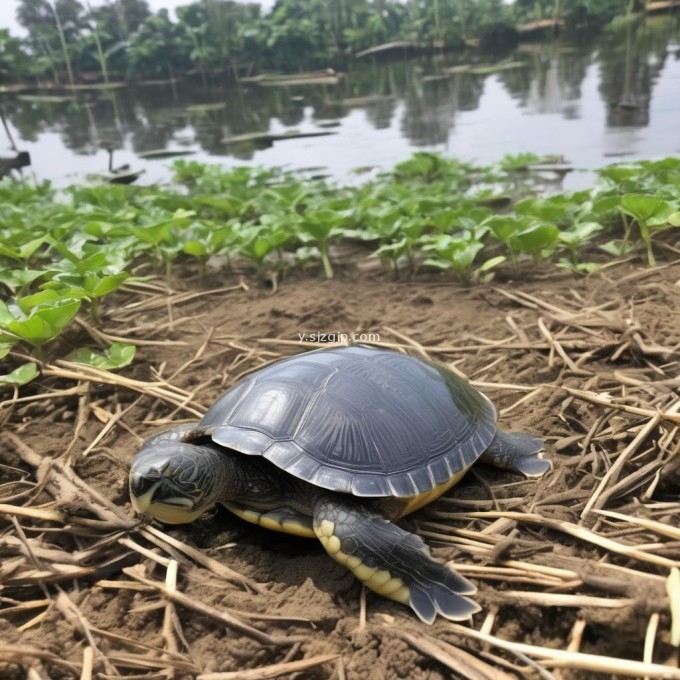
{"x":590,"y":364}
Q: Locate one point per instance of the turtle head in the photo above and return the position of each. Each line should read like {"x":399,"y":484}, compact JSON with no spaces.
{"x":174,"y":481}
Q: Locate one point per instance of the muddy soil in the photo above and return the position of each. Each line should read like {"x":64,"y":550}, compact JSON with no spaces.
{"x":615,"y":333}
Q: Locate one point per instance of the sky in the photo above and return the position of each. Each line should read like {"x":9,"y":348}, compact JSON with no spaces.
{"x":8,"y":10}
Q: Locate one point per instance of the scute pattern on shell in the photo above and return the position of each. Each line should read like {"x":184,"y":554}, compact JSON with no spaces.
{"x":357,"y":419}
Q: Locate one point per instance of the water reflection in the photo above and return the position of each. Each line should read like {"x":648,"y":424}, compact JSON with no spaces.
{"x":630,"y":69}
{"x":587,"y":102}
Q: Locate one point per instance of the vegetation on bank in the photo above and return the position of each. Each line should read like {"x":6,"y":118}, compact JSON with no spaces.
{"x":70,"y":39}
{"x":62,"y":252}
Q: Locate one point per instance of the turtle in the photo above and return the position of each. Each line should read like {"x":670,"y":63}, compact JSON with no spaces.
{"x":338,"y":444}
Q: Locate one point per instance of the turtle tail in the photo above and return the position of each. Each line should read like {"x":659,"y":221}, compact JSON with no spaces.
{"x":517,"y":451}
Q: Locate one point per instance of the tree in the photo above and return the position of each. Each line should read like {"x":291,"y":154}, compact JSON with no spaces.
{"x":53,"y":27}
{"x":15,"y":62}
{"x":219,"y":30}
{"x":299,"y":33}
{"x":114,"y":23}
{"x":159,"y":47}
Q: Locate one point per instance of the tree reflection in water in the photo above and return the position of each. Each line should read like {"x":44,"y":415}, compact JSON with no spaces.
{"x":555,"y":90}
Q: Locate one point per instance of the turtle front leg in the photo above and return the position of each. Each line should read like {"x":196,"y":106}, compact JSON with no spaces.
{"x":390,"y":561}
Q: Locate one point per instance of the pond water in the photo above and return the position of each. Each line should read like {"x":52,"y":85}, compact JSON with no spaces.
{"x":608,"y":99}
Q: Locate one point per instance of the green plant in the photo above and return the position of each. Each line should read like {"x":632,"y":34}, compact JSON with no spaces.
{"x":19,"y":376}
{"x":258,"y":242}
{"x":318,"y":227}
{"x":161,"y":236}
{"x":576,"y":238}
{"x":36,"y":319}
{"x":117,"y":356}
{"x":84,"y":274}
{"x":650,"y":213}
{"x":459,"y":254}
{"x":522,"y":234}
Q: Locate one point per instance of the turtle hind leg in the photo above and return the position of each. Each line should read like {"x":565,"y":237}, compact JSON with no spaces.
{"x":390,"y":561}
{"x":517,"y":451}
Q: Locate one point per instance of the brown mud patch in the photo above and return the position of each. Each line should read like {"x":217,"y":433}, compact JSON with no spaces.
{"x":591,"y":365}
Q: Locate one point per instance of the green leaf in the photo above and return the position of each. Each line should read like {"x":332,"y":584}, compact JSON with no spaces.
{"x":617,"y":247}
{"x":195,"y":248}
{"x":392,"y":250}
{"x":117,"y":356}
{"x":504,"y":226}
{"x":44,"y":298}
{"x":457,"y":252}
{"x":306,"y":254}
{"x":22,"y":250}
{"x":619,"y":173}
{"x":41,"y":323}
{"x":555,"y":209}
{"x":520,"y":161}
{"x":59,"y":315}
{"x":98,"y":286}
{"x":536,"y":238}
{"x":579,"y":267}
{"x":20,"y":376}
{"x":649,"y":210}
{"x":18,"y":278}
{"x":605,"y":205}
{"x":493,"y":262}
{"x":580,"y":233}
{"x":5,"y":315}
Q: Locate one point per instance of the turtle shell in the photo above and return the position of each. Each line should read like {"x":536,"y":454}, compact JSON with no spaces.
{"x":359,"y":420}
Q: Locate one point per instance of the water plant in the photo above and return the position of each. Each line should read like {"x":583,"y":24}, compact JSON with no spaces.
{"x":86,"y":273}
{"x":522,"y":234}
{"x":259,"y":242}
{"x":459,"y":254}
{"x":574,"y":239}
{"x":36,"y":319}
{"x":118,"y":355}
{"x":318,"y":227}
{"x":19,"y":376}
{"x":650,"y":213}
{"x":62,"y":252}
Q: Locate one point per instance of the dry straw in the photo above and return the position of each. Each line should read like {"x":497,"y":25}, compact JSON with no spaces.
{"x":592,"y":537}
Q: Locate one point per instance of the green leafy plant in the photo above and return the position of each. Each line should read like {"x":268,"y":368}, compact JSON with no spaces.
{"x":259,"y":242}
{"x":650,"y":213}
{"x":575,"y":238}
{"x":36,"y":319}
{"x":522,"y":234}
{"x":117,"y":356}
{"x":60,"y":251}
{"x":20,"y":376}
{"x":88,"y":276}
{"x":204,"y":238}
{"x":459,"y":254}
{"x":318,"y":227}
{"x":161,"y":237}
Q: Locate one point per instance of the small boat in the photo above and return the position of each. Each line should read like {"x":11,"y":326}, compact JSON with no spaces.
{"x":390,"y":48}
{"x":21,"y":160}
{"x":268,"y":138}
{"x":662,"y":6}
{"x":157,"y":154}
{"x":539,"y":28}
{"x":122,"y":174}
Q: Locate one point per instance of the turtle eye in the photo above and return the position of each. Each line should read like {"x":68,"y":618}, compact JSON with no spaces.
{"x":140,"y":483}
